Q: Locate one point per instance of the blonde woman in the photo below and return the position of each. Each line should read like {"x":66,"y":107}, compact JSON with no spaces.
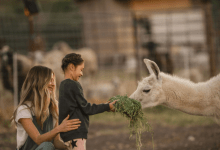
{"x":36,"y":116}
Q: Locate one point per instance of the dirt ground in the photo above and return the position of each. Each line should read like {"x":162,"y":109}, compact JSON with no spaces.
{"x":165,"y":138}
{"x":116,"y":136}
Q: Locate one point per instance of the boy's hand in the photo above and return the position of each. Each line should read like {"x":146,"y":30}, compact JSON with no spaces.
{"x":111,"y":105}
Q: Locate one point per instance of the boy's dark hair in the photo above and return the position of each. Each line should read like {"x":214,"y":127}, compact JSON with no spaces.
{"x":71,"y":58}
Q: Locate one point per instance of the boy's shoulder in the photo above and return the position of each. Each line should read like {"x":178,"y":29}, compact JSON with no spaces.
{"x":70,"y":83}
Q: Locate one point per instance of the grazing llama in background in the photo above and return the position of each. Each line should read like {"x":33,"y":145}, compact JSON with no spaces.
{"x":6,"y":62}
{"x":193,"y":98}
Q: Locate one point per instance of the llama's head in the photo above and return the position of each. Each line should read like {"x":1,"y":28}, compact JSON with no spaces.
{"x":149,"y":91}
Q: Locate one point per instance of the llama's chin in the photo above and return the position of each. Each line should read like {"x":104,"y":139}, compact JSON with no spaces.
{"x":148,"y":105}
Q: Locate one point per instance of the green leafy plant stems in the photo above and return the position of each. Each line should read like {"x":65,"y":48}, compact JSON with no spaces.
{"x":132,"y":110}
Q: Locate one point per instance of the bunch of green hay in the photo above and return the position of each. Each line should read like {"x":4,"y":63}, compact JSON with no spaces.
{"x":132,"y":109}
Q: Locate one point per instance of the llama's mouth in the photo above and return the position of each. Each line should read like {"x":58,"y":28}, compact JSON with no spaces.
{"x":145,"y":104}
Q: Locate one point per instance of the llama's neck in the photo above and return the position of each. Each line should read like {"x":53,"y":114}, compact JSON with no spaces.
{"x":192,"y":98}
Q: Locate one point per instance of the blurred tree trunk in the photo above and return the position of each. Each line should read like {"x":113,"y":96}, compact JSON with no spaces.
{"x":137,"y":50}
{"x":207,"y":7}
{"x":216,"y":25}
{"x":31,"y":34}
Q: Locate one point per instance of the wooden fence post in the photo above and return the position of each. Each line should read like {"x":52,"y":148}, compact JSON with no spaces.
{"x":15,"y":79}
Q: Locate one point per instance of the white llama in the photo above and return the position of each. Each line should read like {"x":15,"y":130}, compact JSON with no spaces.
{"x":193,"y":98}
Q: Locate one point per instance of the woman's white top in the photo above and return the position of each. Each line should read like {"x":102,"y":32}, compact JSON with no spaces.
{"x":24,"y":112}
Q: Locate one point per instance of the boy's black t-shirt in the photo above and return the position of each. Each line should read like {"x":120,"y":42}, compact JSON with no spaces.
{"x":72,"y":102}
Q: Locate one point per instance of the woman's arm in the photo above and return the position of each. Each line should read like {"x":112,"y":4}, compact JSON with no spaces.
{"x":58,"y":143}
{"x":38,"y":138}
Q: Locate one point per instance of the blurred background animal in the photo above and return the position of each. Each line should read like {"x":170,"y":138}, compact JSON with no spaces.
{"x":101,"y":92}
{"x":54,"y":57}
{"x":23,"y":65}
{"x":51,"y":59}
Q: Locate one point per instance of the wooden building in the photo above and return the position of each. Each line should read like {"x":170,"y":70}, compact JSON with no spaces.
{"x":109,"y":25}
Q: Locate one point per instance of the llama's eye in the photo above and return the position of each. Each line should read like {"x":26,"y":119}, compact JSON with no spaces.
{"x":146,"y":91}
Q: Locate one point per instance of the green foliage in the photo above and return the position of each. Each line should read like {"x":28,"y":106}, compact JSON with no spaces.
{"x":132,"y":110}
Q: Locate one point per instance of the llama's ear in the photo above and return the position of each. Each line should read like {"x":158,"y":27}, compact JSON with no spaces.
{"x":152,"y":67}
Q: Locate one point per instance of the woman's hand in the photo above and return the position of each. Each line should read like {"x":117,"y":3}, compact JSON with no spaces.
{"x":111,"y":105}
{"x":68,"y":125}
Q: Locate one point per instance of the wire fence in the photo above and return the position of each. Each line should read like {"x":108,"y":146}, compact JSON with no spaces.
{"x":175,"y":40}
{"x":44,"y":29}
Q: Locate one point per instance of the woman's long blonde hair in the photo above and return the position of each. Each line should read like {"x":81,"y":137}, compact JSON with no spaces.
{"x":34,"y":90}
